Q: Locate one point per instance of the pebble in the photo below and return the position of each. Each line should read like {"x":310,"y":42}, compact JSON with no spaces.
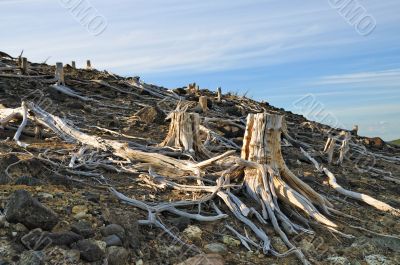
{"x":31,"y":257}
{"x":230,"y":241}
{"x":112,"y":240}
{"x":117,"y":255}
{"x":336,"y":260}
{"x":78,"y":209}
{"x":193,"y":232}
{"x":113,"y":229}
{"x":216,"y":248}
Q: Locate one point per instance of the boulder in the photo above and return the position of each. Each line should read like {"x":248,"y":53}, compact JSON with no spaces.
{"x":22,"y":208}
{"x":151,"y":114}
{"x":89,"y":250}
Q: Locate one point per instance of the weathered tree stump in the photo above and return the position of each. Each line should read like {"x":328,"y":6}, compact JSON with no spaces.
{"x":60,"y":74}
{"x":203,"y":104}
{"x":273,"y":179}
{"x":219,"y":94}
{"x":184,"y":133}
{"x":88,"y":65}
{"x":24,"y":65}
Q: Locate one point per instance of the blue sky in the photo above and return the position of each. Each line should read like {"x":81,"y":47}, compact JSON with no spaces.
{"x":277,"y":51}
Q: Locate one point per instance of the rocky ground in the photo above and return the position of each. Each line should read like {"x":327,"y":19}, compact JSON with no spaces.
{"x":52,"y":215}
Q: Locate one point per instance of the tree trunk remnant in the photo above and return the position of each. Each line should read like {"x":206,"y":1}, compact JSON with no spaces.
{"x":88,"y":65}
{"x":60,"y":74}
{"x":184,"y":133}
{"x":273,"y":179}
{"x":203,"y":104}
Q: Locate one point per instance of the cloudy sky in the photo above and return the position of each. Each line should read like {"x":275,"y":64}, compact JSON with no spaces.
{"x":284,"y":52}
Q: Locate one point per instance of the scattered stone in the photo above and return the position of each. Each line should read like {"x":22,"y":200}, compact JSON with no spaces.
{"x":230,"y":241}
{"x":64,"y":238}
{"x":204,"y":259}
{"x":151,"y":114}
{"x":77,"y":209}
{"x":101,"y":244}
{"x":31,"y":257}
{"x":20,"y":228}
{"x":45,"y":195}
{"x":89,"y":250}
{"x":92,"y":197}
{"x":27,"y":181}
{"x":216,"y":248}
{"x":335,"y":260}
{"x":279,"y":245}
{"x":193,"y":232}
{"x":378,"y":260}
{"x":139,"y":262}
{"x":112,"y":240}
{"x":83,"y":228}
{"x":117,"y":255}
{"x":22,"y":208}
{"x":113,"y":229}
{"x":72,"y":255}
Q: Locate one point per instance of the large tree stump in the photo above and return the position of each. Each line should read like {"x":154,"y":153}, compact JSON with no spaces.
{"x":273,"y":180}
{"x":184,"y":133}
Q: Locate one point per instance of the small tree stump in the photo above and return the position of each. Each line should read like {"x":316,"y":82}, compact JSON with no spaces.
{"x":184,"y":133}
{"x":24,"y":65}
{"x":354,"y":131}
{"x":88,"y":65}
{"x":60,"y":74}
{"x":219,"y":94}
{"x":203,"y":103}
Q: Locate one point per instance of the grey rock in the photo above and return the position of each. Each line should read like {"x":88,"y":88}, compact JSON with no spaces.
{"x":31,"y":257}
{"x":92,"y":197}
{"x":216,"y":248}
{"x":112,"y":240}
{"x":113,"y":229}
{"x":22,"y":208}
{"x":64,"y":238}
{"x":89,"y":250}
{"x":83,"y":228}
{"x":117,"y":256}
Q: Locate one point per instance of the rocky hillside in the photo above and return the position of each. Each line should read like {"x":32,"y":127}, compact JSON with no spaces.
{"x":94,"y":179}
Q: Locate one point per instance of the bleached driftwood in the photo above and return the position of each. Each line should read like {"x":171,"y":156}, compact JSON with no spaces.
{"x":351,"y":194}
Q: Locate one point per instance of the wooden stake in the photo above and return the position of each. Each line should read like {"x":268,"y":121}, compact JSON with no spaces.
{"x":60,"y":74}
{"x":355,"y":130}
{"x":24,"y":65}
{"x":73,"y":64}
{"x":203,"y":103}
{"x":219,"y":94}
{"x":88,"y":65}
